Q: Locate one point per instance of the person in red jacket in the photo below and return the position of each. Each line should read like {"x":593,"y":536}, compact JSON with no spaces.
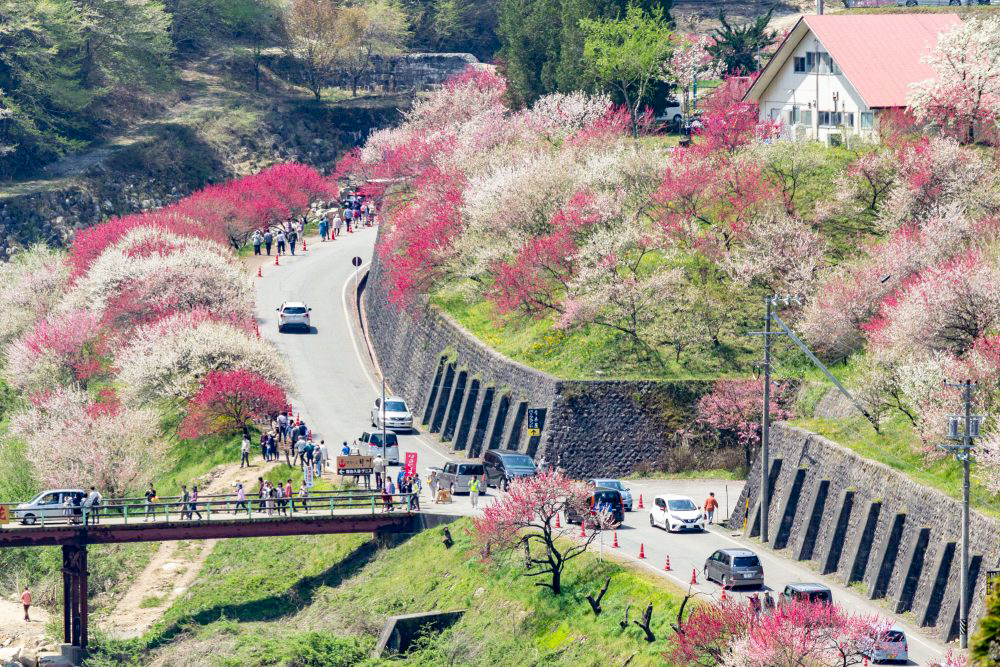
{"x":26,"y":601}
{"x":711,"y":504}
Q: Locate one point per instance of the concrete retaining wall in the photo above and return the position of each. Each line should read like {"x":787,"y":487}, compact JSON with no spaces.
{"x":476,"y":399}
{"x":861,"y":521}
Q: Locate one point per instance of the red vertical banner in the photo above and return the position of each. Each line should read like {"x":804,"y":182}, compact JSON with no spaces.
{"x":410,"y":467}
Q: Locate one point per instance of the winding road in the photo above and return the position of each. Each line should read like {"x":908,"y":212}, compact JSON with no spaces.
{"x":336,"y":382}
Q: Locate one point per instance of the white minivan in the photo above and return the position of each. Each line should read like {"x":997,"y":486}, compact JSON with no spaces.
{"x":675,"y":513}
{"x":370,"y":444}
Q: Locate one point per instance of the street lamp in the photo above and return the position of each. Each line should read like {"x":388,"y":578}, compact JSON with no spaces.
{"x":963,"y":452}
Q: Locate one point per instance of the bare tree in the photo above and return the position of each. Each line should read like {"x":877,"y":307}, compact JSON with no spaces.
{"x":376,"y":28}
{"x":313,"y":39}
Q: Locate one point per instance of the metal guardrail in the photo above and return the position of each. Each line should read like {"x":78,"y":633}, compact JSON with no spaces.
{"x":176,"y":509}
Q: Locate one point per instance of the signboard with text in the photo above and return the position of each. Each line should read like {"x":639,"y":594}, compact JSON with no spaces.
{"x":410,"y":466}
{"x":354,"y":465}
{"x":536,"y":420}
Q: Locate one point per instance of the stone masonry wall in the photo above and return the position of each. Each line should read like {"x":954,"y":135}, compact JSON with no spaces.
{"x":476,"y":399}
{"x":861,"y":521}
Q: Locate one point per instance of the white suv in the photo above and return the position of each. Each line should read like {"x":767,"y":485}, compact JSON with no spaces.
{"x":395,"y":416}
{"x":293,"y":314}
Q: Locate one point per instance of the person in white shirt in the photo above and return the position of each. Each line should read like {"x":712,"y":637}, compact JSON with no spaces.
{"x":378,"y":467}
{"x":92,"y":503}
{"x":245,"y":452}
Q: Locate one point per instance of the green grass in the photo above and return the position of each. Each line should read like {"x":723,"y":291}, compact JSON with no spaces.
{"x":151,"y":602}
{"x":712,"y":473}
{"x":322,"y":600}
{"x":898,"y":447}
{"x":590,"y":353}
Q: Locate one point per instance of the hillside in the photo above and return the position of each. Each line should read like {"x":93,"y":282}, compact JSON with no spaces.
{"x":322,"y":601}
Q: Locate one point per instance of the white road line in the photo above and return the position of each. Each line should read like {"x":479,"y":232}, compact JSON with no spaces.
{"x":350,"y":328}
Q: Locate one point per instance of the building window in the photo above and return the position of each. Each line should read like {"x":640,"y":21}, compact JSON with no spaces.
{"x":848,"y":119}
{"x":800,"y":64}
{"x":825,"y":60}
{"x":835,"y":118}
{"x":807,"y":116}
{"x":867,"y":120}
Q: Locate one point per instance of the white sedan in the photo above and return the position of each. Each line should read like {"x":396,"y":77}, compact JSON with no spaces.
{"x":676,"y":513}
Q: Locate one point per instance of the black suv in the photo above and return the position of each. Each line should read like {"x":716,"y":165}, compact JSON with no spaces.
{"x":502,"y":467}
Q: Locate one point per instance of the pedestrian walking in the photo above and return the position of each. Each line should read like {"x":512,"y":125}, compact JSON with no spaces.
{"x":432,"y":483}
{"x":755,"y":604}
{"x":324,"y":456}
{"x":280,"y":238}
{"x":26,"y":601}
{"x":282,"y":426}
{"x":415,"y":486}
{"x":768,"y":601}
{"x":268,"y":240}
{"x":241,"y":499}
{"x":400,"y":477}
{"x":245,"y":450}
{"x":256,"y":239}
{"x":324,"y":227}
{"x":387,"y":492}
{"x":286,"y":493}
{"x":293,"y":236}
{"x":711,"y":504}
{"x":68,"y":509}
{"x":474,"y":492}
{"x":304,"y":497}
{"x":150,"y":500}
{"x":193,"y":508}
{"x":93,"y":504}
{"x":378,"y":467}
{"x":345,"y":450}
{"x":269,"y":498}
{"x":261,"y":493}
{"x":185,"y":501}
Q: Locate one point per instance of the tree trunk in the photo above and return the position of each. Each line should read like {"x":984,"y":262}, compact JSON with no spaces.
{"x":556,"y":581}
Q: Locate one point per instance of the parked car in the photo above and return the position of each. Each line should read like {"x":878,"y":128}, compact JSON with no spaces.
{"x":48,"y":506}
{"x":672,"y":115}
{"x":671,"y":512}
{"x":293,"y":314}
{"x":502,"y":467}
{"x":370,"y":444}
{"x":396,"y":414}
{"x":806,"y":593}
{"x":601,"y":500}
{"x":618,"y":486}
{"x":891,"y":647}
{"x":734,"y":567}
{"x":455,"y":475}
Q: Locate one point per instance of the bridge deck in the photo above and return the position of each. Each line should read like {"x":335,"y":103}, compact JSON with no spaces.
{"x":213,"y":525}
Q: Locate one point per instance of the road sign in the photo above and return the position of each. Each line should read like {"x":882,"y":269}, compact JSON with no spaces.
{"x":410,"y":467}
{"x":356,"y":261}
{"x":354,"y":465}
{"x":536,"y":420}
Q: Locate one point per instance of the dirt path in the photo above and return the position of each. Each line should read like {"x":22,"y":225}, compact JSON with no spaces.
{"x":14,"y":630}
{"x":174,"y":566}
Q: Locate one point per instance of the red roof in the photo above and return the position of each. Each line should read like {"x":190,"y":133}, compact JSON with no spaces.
{"x":880,"y":53}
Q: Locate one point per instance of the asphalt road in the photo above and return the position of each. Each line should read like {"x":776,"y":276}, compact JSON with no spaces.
{"x":335,"y":385}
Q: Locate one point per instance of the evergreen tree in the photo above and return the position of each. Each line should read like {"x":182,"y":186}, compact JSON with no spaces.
{"x":739,"y":47}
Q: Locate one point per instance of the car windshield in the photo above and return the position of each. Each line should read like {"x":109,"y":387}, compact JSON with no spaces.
{"x":390,"y":439}
{"x":606,"y":497}
{"x":609,"y":484}
{"x":682,"y":505}
{"x":470,"y":469}
{"x":294,"y":310}
{"x":519,"y":461}
{"x":395,"y":406}
{"x":746,"y":561}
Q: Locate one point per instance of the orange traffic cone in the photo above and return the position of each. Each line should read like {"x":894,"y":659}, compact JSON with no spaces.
{"x":642,"y":552}
{"x":865,"y":661}
{"x":615,"y":545}
{"x":666,"y":567}
{"x":694,"y":576}
{"x":256,"y":329}
{"x":304,"y":248}
{"x":557,"y":521}
{"x":583,"y":533}
{"x":259,"y":274}
{"x":723,"y":598}
{"x":276,"y":260}
{"x":640,"y":501}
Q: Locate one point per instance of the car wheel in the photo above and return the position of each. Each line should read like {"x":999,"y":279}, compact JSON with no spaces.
{"x":652,"y":521}
{"x":708,"y":575}
{"x":725,"y":581}
{"x":281,"y":329}
{"x":29,"y":520}
{"x":452,"y":489}
{"x":506,"y":485}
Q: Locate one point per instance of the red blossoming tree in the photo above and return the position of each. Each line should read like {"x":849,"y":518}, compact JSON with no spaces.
{"x":735,"y":406}
{"x":525,"y":518}
{"x":230,"y":400}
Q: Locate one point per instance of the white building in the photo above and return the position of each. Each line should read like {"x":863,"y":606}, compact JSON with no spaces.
{"x":833,"y":74}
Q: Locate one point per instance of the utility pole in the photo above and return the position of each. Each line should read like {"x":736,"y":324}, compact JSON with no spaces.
{"x":383,"y":419}
{"x":765,"y":428}
{"x":963,"y":452}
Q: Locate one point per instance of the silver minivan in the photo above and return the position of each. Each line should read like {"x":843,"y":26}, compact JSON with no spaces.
{"x":734,"y":567}
{"x":455,"y":476}
{"x":49,"y":506}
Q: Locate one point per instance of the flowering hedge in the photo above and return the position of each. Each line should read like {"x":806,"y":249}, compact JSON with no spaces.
{"x":150,"y":305}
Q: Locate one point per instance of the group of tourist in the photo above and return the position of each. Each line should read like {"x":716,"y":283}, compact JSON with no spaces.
{"x":405,"y":484}
{"x":274,"y":498}
{"x":354,"y":211}
{"x":284,"y":235}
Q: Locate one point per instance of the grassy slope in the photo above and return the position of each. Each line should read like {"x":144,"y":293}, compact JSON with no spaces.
{"x":322,"y":600}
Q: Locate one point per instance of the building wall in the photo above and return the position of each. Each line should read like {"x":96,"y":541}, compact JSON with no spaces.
{"x":790,"y":88}
{"x":860,"y":521}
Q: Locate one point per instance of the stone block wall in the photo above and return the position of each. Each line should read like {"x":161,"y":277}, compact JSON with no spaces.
{"x":476,"y":399}
{"x":861,"y":521}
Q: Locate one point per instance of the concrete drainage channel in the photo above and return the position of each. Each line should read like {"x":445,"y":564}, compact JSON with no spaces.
{"x":400,"y":632}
